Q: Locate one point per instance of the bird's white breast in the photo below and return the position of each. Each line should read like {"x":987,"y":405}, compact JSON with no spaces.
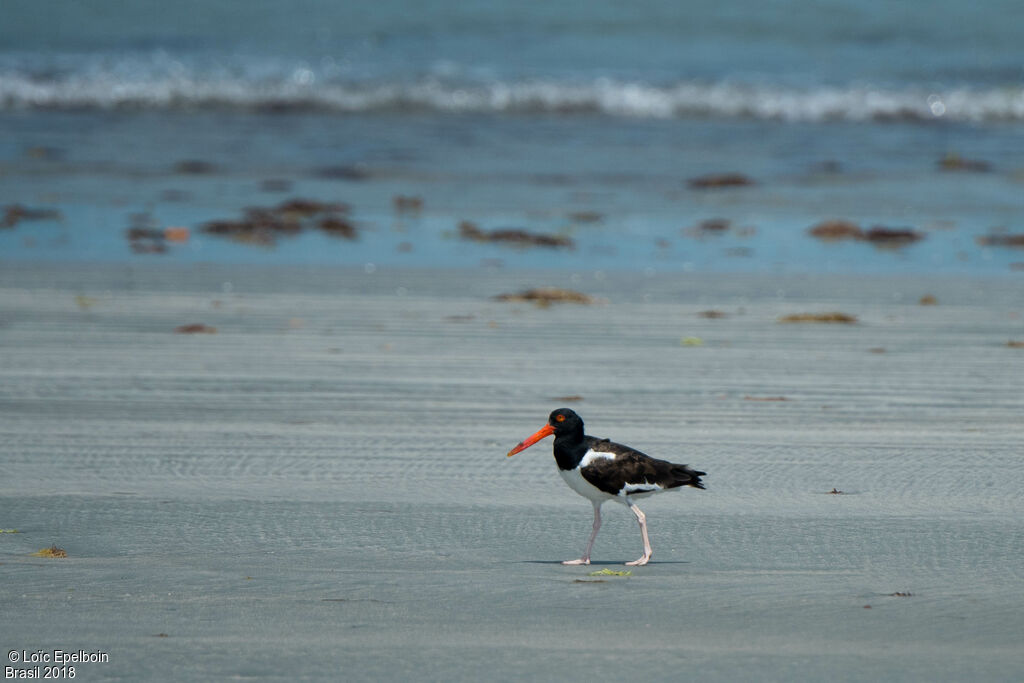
{"x":574,"y":477}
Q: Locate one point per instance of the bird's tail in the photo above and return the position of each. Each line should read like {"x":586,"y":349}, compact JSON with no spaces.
{"x":688,"y":477}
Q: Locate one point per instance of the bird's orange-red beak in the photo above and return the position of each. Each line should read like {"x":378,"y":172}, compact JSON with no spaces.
{"x":546,"y":430}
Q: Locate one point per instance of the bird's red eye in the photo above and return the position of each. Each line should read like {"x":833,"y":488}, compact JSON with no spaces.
{"x":559,"y":418}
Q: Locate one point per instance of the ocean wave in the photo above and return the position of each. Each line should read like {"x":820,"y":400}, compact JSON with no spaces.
{"x":301,"y":89}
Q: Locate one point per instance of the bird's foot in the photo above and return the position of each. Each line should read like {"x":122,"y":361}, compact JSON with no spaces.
{"x":574,"y":563}
{"x":639,"y":563}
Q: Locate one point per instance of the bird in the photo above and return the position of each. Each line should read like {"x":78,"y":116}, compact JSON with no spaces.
{"x":602,"y":470}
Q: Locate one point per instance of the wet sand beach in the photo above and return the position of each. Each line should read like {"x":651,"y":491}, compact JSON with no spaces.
{"x":314,"y":483}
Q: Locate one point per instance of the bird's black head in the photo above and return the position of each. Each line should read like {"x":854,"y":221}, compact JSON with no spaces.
{"x":562,"y":422}
{"x":565,"y":421}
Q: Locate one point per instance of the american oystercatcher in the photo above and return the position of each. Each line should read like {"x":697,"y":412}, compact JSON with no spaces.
{"x":602,"y":470}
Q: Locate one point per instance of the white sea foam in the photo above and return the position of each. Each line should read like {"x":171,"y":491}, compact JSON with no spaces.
{"x":172,"y":86}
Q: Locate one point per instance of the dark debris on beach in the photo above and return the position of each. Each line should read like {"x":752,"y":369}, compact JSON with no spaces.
{"x":831,"y":317}
{"x":263,"y":226}
{"x":516,"y":237}
{"x":835,"y":230}
{"x":955,"y":162}
{"x":407,"y":203}
{"x":545,"y":296}
{"x":881,"y":236}
{"x":892,"y":237}
{"x":145,"y":236}
{"x":1002,"y":240}
{"x":720,"y":180}
{"x":16,"y":213}
{"x":195,"y":328}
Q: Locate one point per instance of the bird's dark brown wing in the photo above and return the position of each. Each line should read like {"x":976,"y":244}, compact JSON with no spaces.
{"x":631,"y":471}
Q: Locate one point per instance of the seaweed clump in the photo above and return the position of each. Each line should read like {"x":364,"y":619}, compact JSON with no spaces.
{"x":835,"y":230}
{"x":879,"y":235}
{"x":955,"y":162}
{"x":1012,"y":240}
{"x":16,"y":213}
{"x":196,"y":328}
{"x":832,"y":317}
{"x":719,"y":180}
{"x":407,"y":204}
{"x":516,"y":237}
{"x":263,"y":226}
{"x":545,"y":296}
{"x":892,"y":237}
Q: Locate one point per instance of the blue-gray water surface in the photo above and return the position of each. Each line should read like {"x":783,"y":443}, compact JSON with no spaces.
{"x":586,"y":121}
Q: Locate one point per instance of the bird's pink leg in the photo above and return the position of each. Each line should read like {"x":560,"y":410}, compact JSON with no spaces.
{"x":590,"y":544}
{"x":642,"y":519}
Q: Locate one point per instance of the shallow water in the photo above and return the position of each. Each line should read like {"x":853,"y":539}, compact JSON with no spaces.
{"x":522,"y":117}
{"x":629,"y":179}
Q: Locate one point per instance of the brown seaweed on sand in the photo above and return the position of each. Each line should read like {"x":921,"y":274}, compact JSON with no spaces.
{"x":512,"y":236}
{"x":718,"y":180}
{"x":832,"y":317}
{"x":1010,"y":240}
{"x":309,"y":207}
{"x":144,"y":241}
{"x":545,"y":296}
{"x":835,"y":230}
{"x":338,"y":227}
{"x":955,"y":162}
{"x":892,"y":237}
{"x":407,"y":204}
{"x":709,"y":226}
{"x":262,"y":226}
{"x":15,"y":213}
{"x":879,"y":235}
{"x":145,"y":236}
{"x":195,"y":328}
